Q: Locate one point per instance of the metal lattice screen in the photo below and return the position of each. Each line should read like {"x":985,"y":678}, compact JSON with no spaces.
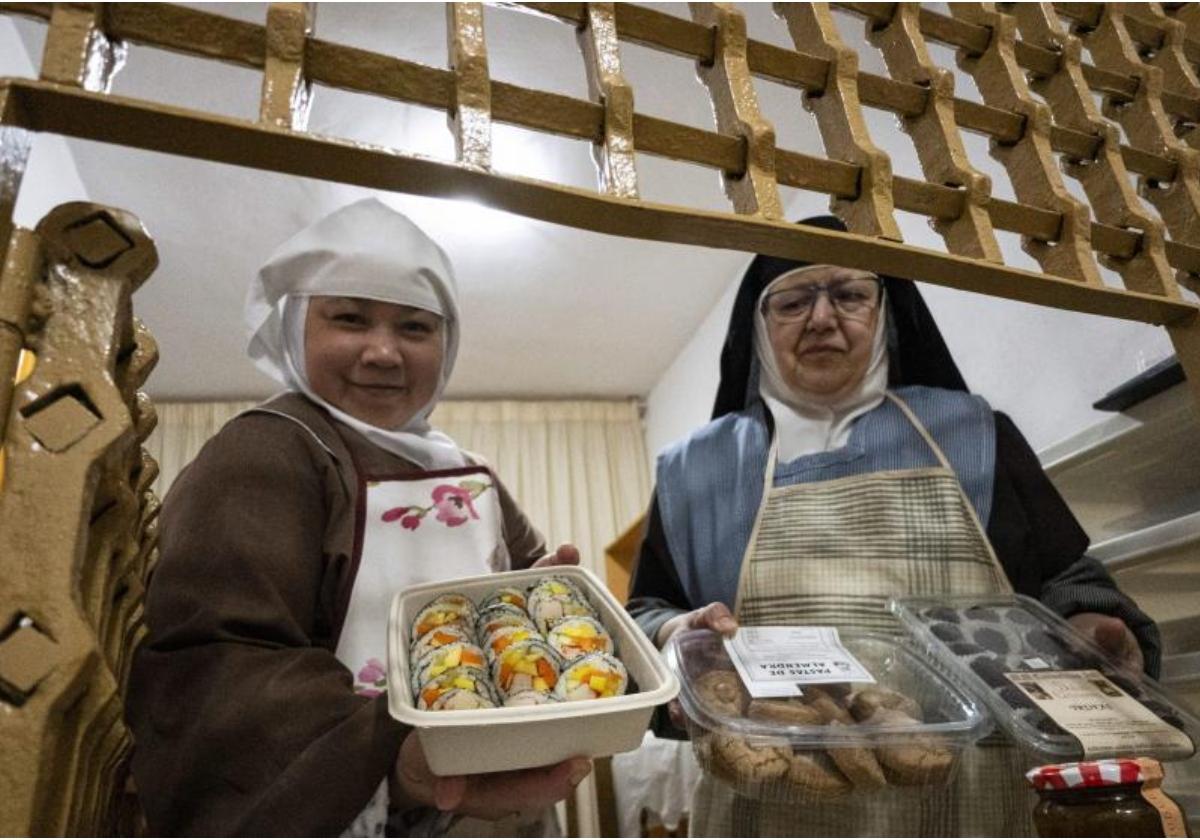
{"x":1103,"y":94}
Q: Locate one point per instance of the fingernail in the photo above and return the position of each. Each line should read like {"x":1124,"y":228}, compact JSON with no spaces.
{"x":579,"y":772}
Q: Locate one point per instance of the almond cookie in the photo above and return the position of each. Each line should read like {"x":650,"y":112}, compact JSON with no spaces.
{"x":722,"y":692}
{"x":815,"y":773}
{"x":748,"y":762}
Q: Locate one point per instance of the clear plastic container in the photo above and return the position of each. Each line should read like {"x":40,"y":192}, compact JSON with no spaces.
{"x":983,"y":638}
{"x":489,"y":740}
{"x":834,"y":741}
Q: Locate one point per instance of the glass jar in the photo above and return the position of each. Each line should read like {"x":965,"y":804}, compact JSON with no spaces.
{"x":1112,"y":798}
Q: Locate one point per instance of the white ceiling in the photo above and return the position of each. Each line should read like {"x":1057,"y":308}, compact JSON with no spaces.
{"x":548,"y":311}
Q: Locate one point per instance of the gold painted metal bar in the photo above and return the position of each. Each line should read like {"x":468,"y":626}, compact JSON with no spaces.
{"x":21,"y":264}
{"x":1179,"y":76}
{"x":1103,"y":175}
{"x":616,"y":162}
{"x":840,"y":120}
{"x":935,"y":134}
{"x":736,"y":107}
{"x":471,"y":118}
{"x":1032,"y":168}
{"x":1147,"y":125}
{"x":77,"y":50}
{"x":286,"y":93}
{"x":114,"y":119}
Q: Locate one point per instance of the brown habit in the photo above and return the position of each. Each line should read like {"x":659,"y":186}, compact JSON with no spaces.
{"x":244,"y":721}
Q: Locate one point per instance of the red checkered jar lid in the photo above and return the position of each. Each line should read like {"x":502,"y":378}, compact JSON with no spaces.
{"x":1086,"y":774}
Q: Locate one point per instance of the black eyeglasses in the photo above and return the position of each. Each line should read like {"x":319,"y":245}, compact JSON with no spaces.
{"x":854,"y":298}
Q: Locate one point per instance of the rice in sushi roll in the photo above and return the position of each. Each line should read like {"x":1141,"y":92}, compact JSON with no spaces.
{"x":508,"y":595}
{"x":438,"y":637}
{"x":530,"y":665}
{"x":502,"y":637}
{"x":529,"y":698}
{"x":554,"y":598}
{"x":579,"y":636}
{"x":450,"y":608}
{"x":592,"y":677}
{"x":501,"y":615}
{"x":473,"y":680}
{"x":442,"y":659}
{"x":462,"y":698}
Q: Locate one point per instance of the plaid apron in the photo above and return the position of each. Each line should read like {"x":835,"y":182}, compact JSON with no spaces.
{"x":833,"y":552}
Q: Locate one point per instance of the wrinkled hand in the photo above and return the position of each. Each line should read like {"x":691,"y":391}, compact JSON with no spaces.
{"x":1112,"y":635}
{"x":565,"y":555}
{"x":488,"y":796}
{"x":715,"y":616}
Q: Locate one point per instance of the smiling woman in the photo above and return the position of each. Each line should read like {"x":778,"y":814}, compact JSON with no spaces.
{"x":377,"y":361}
{"x":284,"y":541}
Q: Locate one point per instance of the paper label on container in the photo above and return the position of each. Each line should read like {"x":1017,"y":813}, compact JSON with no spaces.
{"x":1104,"y":718}
{"x":780,"y":661}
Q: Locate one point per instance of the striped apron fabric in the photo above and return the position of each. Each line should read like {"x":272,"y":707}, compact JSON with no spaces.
{"x":834,"y":552}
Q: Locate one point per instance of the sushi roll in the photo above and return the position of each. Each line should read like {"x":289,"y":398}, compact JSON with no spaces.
{"x":575,"y":637}
{"x":438,"y":637}
{"x":501,"y":615}
{"x":502,"y":637}
{"x":474,"y":680}
{"x":531,"y":665}
{"x":529,"y":698}
{"x":450,"y":608}
{"x":592,"y":677}
{"x":508,"y":595}
{"x":439,"y":660}
{"x":553,"y":599}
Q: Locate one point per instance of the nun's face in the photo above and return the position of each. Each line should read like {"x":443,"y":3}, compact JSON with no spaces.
{"x":823,"y":350}
{"x":378,"y":362}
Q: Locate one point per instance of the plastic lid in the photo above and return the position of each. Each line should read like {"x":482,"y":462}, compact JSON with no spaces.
{"x":1086,"y":774}
{"x":709,"y":686}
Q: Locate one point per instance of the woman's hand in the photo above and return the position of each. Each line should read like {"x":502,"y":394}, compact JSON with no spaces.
{"x":716,"y":616}
{"x":1112,"y":635}
{"x":489,"y":796}
{"x":565,"y":555}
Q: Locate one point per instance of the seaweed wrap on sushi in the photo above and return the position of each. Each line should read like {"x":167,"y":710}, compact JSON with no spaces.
{"x":529,"y":698}
{"x":501,"y":615}
{"x":507,"y":595}
{"x":579,"y":636}
{"x":554,"y":598}
{"x":531,"y":665}
{"x":442,"y":659}
{"x":502,"y":637}
{"x":464,"y":678}
{"x":592,"y":677}
{"x":449,"y":608}
{"x":438,"y":637}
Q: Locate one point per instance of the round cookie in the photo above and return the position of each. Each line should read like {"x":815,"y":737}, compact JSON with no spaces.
{"x":722,"y":692}
{"x":746,"y":762}
{"x":816,"y":773}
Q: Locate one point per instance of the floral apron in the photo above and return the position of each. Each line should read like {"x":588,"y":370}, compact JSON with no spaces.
{"x":834,"y":552}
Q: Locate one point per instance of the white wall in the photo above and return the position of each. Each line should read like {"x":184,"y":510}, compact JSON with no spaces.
{"x":51,"y":177}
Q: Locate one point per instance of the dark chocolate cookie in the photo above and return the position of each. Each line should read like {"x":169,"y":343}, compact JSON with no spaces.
{"x":965,"y":648}
{"x":990,"y":671}
{"x":947,"y":632}
{"x":944,"y":614}
{"x":983,"y":614}
{"x":991,"y":639}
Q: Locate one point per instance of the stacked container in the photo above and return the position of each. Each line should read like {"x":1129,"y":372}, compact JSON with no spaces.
{"x":903,"y":734}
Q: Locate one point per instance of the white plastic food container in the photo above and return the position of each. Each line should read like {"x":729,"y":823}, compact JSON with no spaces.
{"x":489,"y":740}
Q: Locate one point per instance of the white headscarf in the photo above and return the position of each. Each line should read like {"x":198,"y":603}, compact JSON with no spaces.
{"x":364,"y":250}
{"x":806,"y":423}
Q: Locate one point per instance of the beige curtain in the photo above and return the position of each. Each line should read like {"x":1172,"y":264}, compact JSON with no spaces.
{"x":577,"y":468}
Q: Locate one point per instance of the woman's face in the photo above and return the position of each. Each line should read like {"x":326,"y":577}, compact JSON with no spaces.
{"x":378,"y":362}
{"x":824,"y":351}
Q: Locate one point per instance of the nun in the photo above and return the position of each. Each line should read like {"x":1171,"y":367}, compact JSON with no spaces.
{"x":258,"y":699}
{"x":846,"y":463}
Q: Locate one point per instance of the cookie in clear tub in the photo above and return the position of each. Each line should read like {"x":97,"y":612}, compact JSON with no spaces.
{"x":900,"y":735}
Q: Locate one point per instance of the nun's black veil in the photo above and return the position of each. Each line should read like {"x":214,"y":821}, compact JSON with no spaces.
{"x":917,"y":355}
